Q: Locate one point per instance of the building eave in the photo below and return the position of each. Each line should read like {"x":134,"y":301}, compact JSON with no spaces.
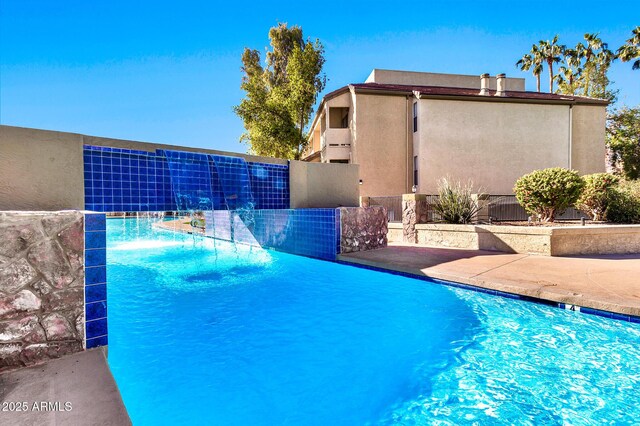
{"x":511,"y":97}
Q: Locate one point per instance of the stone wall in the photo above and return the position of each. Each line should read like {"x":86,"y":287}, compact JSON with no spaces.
{"x":414,"y":212}
{"x":541,"y":240}
{"x":41,"y":286}
{"x":362,"y":228}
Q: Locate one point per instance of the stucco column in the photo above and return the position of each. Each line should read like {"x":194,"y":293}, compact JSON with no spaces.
{"x":413,"y":213}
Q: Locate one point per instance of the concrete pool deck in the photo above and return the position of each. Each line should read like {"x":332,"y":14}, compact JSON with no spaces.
{"x":604,"y":282}
{"x":82,"y":379}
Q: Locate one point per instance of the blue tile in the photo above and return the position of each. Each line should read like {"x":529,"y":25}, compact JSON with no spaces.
{"x":96,"y":310}
{"x":95,"y":275}
{"x":97,"y":341}
{"x":95,"y":293}
{"x":139,"y":173}
{"x":95,"y":257}
{"x":620,"y":317}
{"x":95,"y":240}
{"x":96,"y":328}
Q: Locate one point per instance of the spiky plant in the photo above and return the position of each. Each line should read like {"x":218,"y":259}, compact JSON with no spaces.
{"x":456,"y":203}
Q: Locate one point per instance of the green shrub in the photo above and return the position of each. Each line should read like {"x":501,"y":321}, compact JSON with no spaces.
{"x":598,"y":190}
{"x":456,"y":203}
{"x":624,"y":205}
{"x":549,"y":192}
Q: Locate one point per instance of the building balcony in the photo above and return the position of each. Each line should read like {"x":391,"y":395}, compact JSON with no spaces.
{"x":336,"y":144}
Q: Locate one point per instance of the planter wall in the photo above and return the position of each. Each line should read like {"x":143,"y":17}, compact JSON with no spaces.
{"x":548,"y":241}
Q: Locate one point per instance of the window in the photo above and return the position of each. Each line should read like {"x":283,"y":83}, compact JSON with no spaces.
{"x":339,"y":161}
{"x":415,"y":117}
{"x":415,"y":170}
{"x":338,"y":118}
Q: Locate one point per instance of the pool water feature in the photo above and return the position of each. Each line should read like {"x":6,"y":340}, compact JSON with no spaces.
{"x":205,"y":332}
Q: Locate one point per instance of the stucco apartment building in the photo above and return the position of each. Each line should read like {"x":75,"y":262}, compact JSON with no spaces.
{"x":412,"y":128}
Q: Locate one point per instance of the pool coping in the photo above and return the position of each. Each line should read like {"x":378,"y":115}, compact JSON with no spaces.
{"x":75,"y":389}
{"x":419,"y":275}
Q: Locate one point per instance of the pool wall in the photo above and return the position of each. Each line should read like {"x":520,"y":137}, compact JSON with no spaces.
{"x":48,"y":260}
{"x":122,"y":180}
{"x":44,"y":170}
{"x":305,"y":232}
{"x":319,"y":233}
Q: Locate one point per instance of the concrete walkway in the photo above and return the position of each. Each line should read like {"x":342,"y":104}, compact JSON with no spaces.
{"x":82,"y":381}
{"x":610,"y":283}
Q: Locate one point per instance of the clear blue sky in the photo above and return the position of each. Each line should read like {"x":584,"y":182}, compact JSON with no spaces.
{"x":169,"y":71}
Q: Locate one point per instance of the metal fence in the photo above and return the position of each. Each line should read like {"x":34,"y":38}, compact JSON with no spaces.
{"x":428,"y":205}
{"x":393,"y":204}
{"x":503,"y":208}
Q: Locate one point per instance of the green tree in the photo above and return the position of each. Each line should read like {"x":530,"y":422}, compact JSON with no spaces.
{"x":583,"y":70}
{"x":532,"y":61}
{"x":623,"y":139}
{"x":550,"y":52}
{"x":630,"y":51}
{"x":594,"y":81}
{"x":279,"y":97}
{"x":570,"y":70}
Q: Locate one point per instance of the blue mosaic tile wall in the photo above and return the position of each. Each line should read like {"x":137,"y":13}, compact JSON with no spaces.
{"x":128,"y":180}
{"x":307,"y":232}
{"x":270,"y":185}
{"x":191,"y":180}
{"x":233,"y":175}
{"x":95,"y":279}
{"x":122,"y":180}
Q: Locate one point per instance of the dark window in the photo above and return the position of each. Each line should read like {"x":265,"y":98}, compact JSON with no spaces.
{"x":338,"y":118}
{"x":339,"y":161}
{"x":415,"y":116}
{"x":415,"y":169}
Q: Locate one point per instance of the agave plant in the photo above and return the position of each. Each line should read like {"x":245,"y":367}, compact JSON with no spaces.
{"x":456,"y":203}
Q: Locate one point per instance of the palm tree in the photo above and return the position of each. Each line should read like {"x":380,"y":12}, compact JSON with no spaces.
{"x":532,"y":61}
{"x":597,"y":59}
{"x":551,"y":51}
{"x":569,"y":73}
{"x":631,"y":49}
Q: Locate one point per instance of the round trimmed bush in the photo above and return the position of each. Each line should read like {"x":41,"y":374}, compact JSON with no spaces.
{"x":598,"y":190}
{"x":624,"y":204}
{"x":548,"y":192}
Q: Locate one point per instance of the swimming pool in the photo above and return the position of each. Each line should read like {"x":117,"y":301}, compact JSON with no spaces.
{"x":204,"y":332}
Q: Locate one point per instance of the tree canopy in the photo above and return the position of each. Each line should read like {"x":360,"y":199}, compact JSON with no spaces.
{"x":630,"y":51}
{"x":582,"y":70}
{"x":623,"y":138}
{"x":280,"y":96}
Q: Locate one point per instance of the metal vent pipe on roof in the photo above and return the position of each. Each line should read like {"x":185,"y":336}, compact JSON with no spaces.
{"x":501,"y":84}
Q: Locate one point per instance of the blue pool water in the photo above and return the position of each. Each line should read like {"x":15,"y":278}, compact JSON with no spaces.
{"x":203,"y":332}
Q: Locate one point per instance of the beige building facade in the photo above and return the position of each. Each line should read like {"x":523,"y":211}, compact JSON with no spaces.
{"x":407,"y":129}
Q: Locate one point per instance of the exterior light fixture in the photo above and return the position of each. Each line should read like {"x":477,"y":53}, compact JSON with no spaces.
{"x":360,"y":182}
{"x":414,"y":188}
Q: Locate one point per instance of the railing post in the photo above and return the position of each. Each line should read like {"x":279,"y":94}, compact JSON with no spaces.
{"x":365,"y":201}
{"x":413,"y":213}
